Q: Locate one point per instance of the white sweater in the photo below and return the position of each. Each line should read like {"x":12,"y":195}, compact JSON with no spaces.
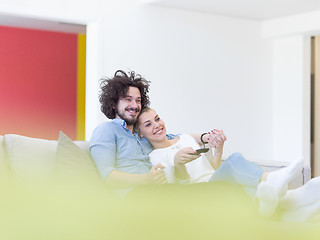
{"x":200,"y":170}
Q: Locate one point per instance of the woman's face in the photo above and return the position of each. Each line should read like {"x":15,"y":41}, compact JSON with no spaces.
{"x":151,"y":126}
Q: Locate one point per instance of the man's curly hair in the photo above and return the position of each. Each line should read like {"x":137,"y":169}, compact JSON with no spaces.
{"x":112,"y":89}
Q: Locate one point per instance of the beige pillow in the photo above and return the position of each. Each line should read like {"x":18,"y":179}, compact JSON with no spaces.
{"x":30,"y":158}
{"x":74,"y":164}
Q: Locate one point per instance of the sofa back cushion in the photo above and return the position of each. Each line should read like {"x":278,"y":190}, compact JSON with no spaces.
{"x":84,"y":145}
{"x":30,"y":157}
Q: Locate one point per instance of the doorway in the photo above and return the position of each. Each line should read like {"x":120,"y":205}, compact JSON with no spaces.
{"x":315,"y":106}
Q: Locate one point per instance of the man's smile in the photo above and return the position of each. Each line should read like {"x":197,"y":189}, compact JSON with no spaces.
{"x":132,"y":111}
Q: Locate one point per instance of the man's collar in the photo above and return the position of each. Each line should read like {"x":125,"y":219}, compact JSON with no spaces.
{"x":122,"y":123}
{"x":119,"y":121}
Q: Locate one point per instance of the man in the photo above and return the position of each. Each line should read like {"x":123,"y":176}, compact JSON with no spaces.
{"x":121,"y":156}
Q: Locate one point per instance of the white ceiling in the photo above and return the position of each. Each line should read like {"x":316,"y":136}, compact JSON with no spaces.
{"x":249,"y":9}
{"x":32,"y":23}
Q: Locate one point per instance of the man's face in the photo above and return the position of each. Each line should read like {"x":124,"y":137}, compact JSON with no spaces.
{"x":129,"y":107}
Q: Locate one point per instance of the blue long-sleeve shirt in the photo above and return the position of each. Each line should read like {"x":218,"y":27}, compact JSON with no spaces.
{"x":114,"y":147}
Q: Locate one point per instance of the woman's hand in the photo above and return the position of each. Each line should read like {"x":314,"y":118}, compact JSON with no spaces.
{"x":184,"y":156}
{"x":157,"y":175}
{"x":216,"y":139}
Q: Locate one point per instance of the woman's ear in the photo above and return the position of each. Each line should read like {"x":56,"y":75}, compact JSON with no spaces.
{"x":140,"y":135}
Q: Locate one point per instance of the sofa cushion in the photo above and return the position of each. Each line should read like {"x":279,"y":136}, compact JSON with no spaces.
{"x":2,"y":155}
{"x":74,"y":162}
{"x":30,"y":157}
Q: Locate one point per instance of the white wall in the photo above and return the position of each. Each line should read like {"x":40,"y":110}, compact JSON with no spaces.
{"x":288,"y":95}
{"x":94,"y":65}
{"x":291,"y":68}
{"x":206,"y":72}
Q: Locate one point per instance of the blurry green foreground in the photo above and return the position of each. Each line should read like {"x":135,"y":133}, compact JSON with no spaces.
{"x":79,"y":211}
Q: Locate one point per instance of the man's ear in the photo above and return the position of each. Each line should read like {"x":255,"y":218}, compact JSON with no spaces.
{"x":141,"y":135}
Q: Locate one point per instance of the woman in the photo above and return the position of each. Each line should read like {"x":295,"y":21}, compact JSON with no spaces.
{"x":183,"y":164}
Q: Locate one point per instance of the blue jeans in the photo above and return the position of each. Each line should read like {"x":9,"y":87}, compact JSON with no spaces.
{"x":239,"y":171}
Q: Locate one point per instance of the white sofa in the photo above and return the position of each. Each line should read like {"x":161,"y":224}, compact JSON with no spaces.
{"x":302,"y":178}
{"x":37,"y":159}
{"x":32,"y":158}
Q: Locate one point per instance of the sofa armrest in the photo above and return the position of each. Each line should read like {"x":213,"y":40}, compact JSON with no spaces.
{"x":303,"y":177}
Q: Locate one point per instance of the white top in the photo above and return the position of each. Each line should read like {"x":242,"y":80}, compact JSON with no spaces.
{"x":200,"y":170}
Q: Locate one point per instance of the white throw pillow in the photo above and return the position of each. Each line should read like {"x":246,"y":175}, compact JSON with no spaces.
{"x":30,"y":158}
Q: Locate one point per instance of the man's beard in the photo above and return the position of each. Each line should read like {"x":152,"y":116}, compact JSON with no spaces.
{"x":128,"y":120}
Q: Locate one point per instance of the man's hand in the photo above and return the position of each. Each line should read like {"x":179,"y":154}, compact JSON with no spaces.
{"x":216,"y":139}
{"x":157,"y":175}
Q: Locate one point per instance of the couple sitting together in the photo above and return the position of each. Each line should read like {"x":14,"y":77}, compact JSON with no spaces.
{"x":134,"y":150}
